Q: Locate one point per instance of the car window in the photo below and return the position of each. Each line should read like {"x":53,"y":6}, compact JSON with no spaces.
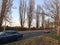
{"x":1,"y":33}
{"x":10,"y":32}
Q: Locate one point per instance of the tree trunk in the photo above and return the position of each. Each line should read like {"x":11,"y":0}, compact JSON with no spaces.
{"x":58,"y":33}
{"x":4,"y":26}
{"x":2,"y":12}
{"x":43,"y":21}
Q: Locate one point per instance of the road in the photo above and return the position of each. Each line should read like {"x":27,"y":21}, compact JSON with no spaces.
{"x":30,"y":34}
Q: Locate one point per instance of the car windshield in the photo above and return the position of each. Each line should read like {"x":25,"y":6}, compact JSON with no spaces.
{"x":10,"y":32}
{"x":1,"y":33}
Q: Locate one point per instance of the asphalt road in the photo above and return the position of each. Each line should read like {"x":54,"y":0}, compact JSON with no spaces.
{"x":27,"y":35}
{"x":34,"y":34}
{"x":30,"y":34}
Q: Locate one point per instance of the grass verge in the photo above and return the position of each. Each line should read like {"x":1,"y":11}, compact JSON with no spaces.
{"x":54,"y":35}
{"x":40,"y":40}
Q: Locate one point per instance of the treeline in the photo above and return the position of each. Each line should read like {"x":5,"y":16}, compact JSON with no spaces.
{"x":25,"y":29}
{"x":28,"y":13}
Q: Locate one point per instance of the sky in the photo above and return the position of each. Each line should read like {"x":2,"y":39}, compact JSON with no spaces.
{"x":15,"y":11}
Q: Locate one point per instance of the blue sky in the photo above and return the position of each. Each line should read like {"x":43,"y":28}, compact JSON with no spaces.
{"x":15,"y":12}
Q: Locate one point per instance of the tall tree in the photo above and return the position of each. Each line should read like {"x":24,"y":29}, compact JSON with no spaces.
{"x":30,"y":12}
{"x":57,"y":17}
{"x":53,"y":7}
{"x":7,"y":15}
{"x":43,"y":18}
{"x":38,"y":16}
{"x":2,"y":12}
{"x":5,"y":12}
{"x":22,"y":11}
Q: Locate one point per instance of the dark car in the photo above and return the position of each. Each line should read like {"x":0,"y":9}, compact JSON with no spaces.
{"x":10,"y":36}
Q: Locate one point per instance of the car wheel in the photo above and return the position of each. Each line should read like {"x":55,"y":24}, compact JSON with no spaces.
{"x":20,"y":37}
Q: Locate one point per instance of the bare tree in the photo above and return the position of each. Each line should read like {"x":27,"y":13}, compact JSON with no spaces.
{"x":30,"y":12}
{"x":57,"y":17}
{"x":7,"y":15}
{"x":5,"y":12}
{"x":43,"y":19}
{"x":38,"y":16}
{"x":2,"y":12}
{"x":22,"y":11}
{"x":53,"y":6}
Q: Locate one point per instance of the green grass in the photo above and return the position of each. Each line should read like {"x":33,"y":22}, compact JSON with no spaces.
{"x":54,"y":35}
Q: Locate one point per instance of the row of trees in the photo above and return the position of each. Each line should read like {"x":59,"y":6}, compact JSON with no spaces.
{"x":32,"y":13}
{"x":50,"y":8}
{"x":53,"y":8}
{"x":29,"y":11}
